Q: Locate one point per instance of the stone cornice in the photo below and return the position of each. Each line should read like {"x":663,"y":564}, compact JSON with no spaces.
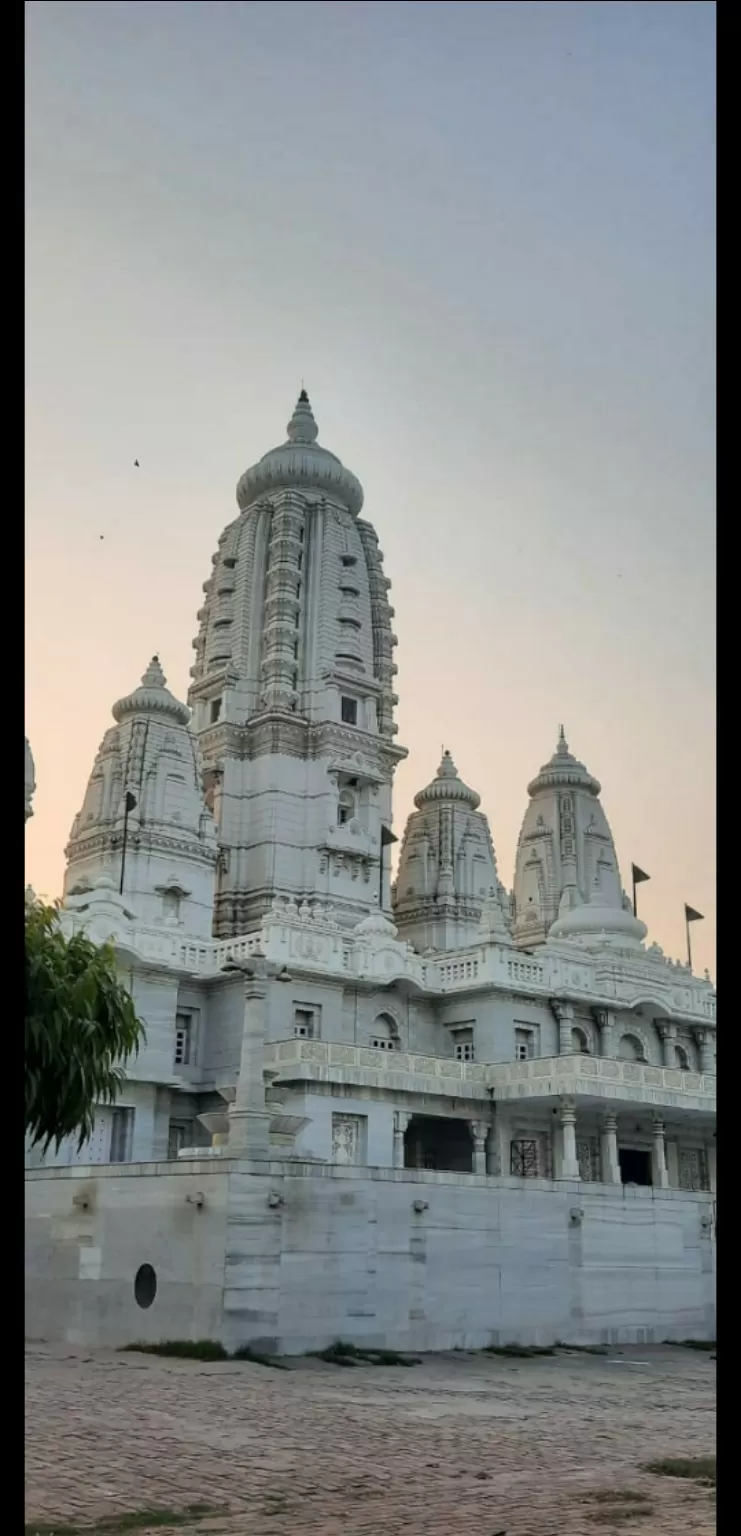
{"x":284,"y":733}
{"x":110,"y":839}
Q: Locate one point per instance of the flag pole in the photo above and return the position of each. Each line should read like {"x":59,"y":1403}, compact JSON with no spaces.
{"x":690,"y":916}
{"x":387,"y":838}
{"x":129,"y":805}
{"x":637,"y":876}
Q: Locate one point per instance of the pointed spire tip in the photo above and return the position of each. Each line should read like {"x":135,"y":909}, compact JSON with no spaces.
{"x":302,"y":427}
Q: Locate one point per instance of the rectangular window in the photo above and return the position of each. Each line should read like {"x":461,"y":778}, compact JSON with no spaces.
{"x":215,"y":710}
{"x":523,"y":1159}
{"x":349,"y":708}
{"x":180,"y":1135}
{"x":525,"y":1044}
{"x":381,"y":1044}
{"x":183,"y":1039}
{"x":464,"y":1045}
{"x":303,"y":1023}
{"x":122,"y":1135}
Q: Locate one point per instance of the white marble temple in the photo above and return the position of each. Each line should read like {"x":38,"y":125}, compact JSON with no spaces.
{"x":440,"y":1040}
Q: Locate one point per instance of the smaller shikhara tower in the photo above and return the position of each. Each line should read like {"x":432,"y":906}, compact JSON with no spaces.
{"x":292,"y":691}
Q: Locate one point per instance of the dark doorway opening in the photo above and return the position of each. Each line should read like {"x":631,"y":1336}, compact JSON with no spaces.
{"x":635,"y":1166}
{"x":445,"y":1145}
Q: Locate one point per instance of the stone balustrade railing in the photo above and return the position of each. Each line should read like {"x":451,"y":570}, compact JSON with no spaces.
{"x":597,"y":1077}
{"x":601,"y":1077}
{"x":308,"y":938}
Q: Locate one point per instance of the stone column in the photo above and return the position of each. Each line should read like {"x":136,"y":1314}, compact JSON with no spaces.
{"x":705,"y":1041}
{"x":249,"y":1117}
{"x":565,"y":1014}
{"x":493,"y":1148}
{"x":401,"y":1121}
{"x":604,"y":1021}
{"x":479,"y":1131}
{"x":660,"y":1174}
{"x":569,"y":1165}
{"x":668,"y":1033}
{"x":711,"y":1156}
{"x":610,"y":1159}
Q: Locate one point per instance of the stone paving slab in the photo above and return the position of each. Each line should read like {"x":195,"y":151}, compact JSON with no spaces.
{"x":462,"y":1443}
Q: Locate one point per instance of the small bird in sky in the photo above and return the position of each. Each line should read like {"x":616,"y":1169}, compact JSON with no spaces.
{"x":136,"y":464}
{"x":101,"y":535}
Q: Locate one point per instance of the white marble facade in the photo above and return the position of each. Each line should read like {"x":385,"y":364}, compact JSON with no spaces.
{"x":442,"y":1025}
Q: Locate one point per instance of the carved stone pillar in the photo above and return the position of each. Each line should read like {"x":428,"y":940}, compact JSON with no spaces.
{"x":479,"y":1132}
{"x":401,"y":1121}
{"x":660,"y":1173}
{"x":565,"y":1014}
{"x":712,"y":1162}
{"x":604,"y":1021}
{"x":668,"y":1033}
{"x":569,"y":1162}
{"x":249,"y":1117}
{"x":610,"y":1158}
{"x":705,"y":1042}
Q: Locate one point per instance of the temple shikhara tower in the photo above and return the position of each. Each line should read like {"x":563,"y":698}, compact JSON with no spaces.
{"x":416,"y":1110}
{"x":292,"y":692}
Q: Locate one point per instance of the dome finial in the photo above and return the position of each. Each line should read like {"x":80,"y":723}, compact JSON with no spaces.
{"x":563,"y":745}
{"x":447,"y":769}
{"x":302,"y":427}
{"x":154,"y":677}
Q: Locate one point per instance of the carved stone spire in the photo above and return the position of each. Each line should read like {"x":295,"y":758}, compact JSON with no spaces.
{"x":146,"y":773}
{"x":447,"y":870}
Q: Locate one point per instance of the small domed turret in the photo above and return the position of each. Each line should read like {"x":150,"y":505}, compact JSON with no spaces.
{"x":146,"y":779}
{"x":447,"y":879}
{"x":567,"y":880}
{"x":30,"y":781}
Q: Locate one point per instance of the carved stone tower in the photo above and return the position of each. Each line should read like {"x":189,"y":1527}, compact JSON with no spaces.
{"x":143,"y":818}
{"x":567,"y":879}
{"x":292,"y":691}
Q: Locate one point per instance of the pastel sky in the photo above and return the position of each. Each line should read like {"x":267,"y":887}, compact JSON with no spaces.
{"x":484,"y":236}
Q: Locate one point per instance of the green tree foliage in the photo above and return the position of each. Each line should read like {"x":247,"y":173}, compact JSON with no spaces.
{"x":81,"y":1028}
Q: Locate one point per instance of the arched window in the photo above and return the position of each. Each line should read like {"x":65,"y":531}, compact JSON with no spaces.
{"x":579,"y":1042}
{"x":631,"y":1049}
{"x":682,"y":1058}
{"x":345,"y":807}
{"x":385,"y":1033}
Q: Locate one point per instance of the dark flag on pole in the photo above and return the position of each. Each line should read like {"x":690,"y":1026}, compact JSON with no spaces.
{"x":387,"y":838}
{"x":638,"y":876}
{"x":691,"y":916}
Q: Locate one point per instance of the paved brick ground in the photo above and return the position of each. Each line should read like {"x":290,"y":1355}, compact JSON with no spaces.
{"x":461,"y":1444}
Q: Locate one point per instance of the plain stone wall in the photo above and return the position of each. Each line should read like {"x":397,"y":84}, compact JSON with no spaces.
{"x":293,"y":1256}
{"x":155,"y":999}
{"x":89,"y":1229}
